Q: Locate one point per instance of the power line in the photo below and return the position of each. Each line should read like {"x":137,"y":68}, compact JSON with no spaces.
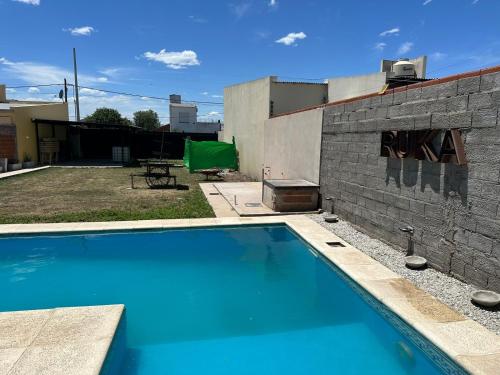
{"x":29,"y":86}
{"x":118,"y":93}
{"x":149,"y":97}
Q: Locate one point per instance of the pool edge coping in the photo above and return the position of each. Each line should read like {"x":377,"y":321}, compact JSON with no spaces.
{"x":58,"y":340}
{"x":461,"y":339}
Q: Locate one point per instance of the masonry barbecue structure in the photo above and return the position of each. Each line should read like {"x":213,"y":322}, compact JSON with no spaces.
{"x":290,"y":195}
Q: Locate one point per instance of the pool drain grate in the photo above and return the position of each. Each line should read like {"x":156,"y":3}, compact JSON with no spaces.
{"x":335,"y":244}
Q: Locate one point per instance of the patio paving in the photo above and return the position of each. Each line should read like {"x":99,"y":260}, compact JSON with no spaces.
{"x":219,"y":204}
{"x":21,"y":171}
{"x":245,"y":198}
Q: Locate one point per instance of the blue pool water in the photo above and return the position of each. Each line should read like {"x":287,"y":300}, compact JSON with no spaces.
{"x":237,"y":300}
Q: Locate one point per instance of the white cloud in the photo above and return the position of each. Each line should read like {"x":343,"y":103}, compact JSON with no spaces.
{"x":10,"y":90}
{"x":30,"y":2}
{"x":405,"y":48}
{"x":390,"y":32}
{"x":426,"y":2}
{"x":217,"y":96}
{"x":380,"y":46}
{"x":474,"y":2}
{"x":86,"y":91}
{"x":240,"y":9}
{"x":291,"y":38}
{"x":273,"y":3}
{"x":437,"y":56}
{"x":262,"y":34}
{"x":111,"y":72}
{"x":211,"y":116}
{"x":81,"y":31}
{"x":33,"y":90}
{"x":41,"y":74}
{"x":196,"y":19}
{"x":174,"y":60}
{"x":204,"y":93}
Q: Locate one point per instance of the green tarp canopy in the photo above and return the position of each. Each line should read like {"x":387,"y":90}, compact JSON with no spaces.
{"x":209,"y":154}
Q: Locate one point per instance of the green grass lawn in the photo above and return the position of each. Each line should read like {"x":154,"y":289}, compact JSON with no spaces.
{"x":97,"y":194}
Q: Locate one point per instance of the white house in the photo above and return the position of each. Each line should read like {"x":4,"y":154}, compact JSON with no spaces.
{"x":184,"y":118}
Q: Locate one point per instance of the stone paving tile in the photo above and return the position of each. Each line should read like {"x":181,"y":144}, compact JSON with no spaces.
{"x":71,"y":340}
{"x":393,"y":288}
{"x":18,"y":329}
{"x":77,"y":325}
{"x":461,"y":338}
{"x":217,"y":201}
{"x":8,"y":357}
{"x":481,"y":365}
{"x":423,"y":308}
{"x":65,"y":359}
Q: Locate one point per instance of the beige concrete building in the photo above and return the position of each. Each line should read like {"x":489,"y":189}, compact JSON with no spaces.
{"x":274,"y":133}
{"x":292,"y":146}
{"x":341,"y":88}
{"x":249,"y":105}
{"x":17,"y":131}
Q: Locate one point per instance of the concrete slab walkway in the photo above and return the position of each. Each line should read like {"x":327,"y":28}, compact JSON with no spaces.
{"x":219,"y":204}
{"x":245,"y":199}
{"x":22,"y":171}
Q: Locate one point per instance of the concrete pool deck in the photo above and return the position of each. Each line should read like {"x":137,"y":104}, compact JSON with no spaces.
{"x":463,"y":340}
{"x":239,"y":199}
{"x":72,"y":340}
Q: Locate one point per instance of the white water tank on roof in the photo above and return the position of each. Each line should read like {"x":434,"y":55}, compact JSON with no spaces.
{"x":404,"y":68}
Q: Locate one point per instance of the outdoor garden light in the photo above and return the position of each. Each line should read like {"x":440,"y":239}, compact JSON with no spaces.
{"x":407,"y":229}
{"x":412,"y":261}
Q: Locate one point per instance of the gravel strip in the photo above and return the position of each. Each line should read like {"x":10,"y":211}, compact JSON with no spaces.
{"x":447,"y":289}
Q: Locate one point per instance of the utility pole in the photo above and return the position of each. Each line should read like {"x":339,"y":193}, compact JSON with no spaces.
{"x":77,"y":100}
{"x":65,"y":91}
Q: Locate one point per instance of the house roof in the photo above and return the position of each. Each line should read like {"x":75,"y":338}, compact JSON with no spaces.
{"x":163,"y":128}
{"x":18,"y":104}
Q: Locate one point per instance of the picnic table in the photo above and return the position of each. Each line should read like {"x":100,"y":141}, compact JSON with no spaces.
{"x":157,"y":175}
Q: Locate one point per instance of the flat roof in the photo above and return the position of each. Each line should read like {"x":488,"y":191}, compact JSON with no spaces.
{"x":190,"y":105}
{"x":16,"y":104}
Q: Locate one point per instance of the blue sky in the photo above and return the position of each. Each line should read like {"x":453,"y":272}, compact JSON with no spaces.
{"x":196,"y":48}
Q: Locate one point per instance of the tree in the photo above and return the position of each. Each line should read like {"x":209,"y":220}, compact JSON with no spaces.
{"x":127,"y":122}
{"x":107,"y":116}
{"x":147,"y":119}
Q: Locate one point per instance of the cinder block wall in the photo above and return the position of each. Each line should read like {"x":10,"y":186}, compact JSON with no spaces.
{"x":455,"y":210}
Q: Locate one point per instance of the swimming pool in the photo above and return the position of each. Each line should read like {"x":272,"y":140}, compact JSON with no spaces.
{"x":227,"y":300}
